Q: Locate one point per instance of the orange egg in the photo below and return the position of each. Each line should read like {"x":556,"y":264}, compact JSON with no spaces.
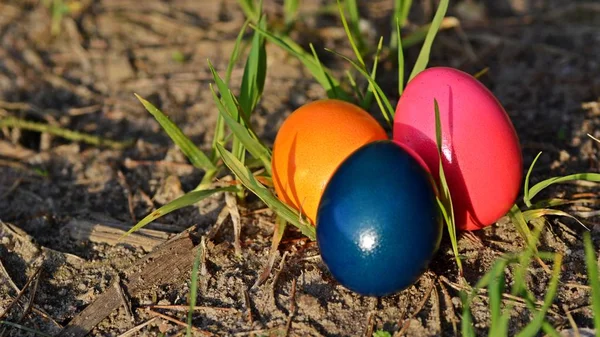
{"x":312,"y":142}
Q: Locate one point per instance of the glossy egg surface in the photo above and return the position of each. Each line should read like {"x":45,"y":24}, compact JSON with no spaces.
{"x":378,"y":225}
{"x":310,"y":145}
{"x":482,"y":158}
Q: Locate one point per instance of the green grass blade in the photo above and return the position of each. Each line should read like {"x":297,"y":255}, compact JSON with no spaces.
{"x":466,"y":323}
{"x":423,"y":57}
{"x":236,"y":52}
{"x":550,"y":330}
{"x":368,"y":99}
{"x":444,"y":189}
{"x":248,"y":180}
{"x":384,"y":104}
{"x":537,"y":188}
{"x":381,"y":333}
{"x":532,"y":306}
{"x":354,"y":86}
{"x":229,"y":101}
{"x":193,"y":291}
{"x":242,"y":134}
{"x":219,"y":136}
{"x":400,"y":59}
{"x":553,"y":202}
{"x":401,"y":10}
{"x":524,"y":260}
{"x":331,"y":89}
{"x":352,"y":29}
{"x":247,"y":7}
{"x":290,"y":12}
{"x":535,"y":325}
{"x":313,"y":66}
{"x":196,"y":157}
{"x":495,"y":290}
{"x":226,"y":96}
{"x":526,"y":197}
{"x":518,"y":220}
{"x":406,"y":4}
{"x":591,"y":264}
{"x":253,"y":80}
{"x":532,"y":214}
{"x":185,"y":200}
{"x":467,"y":298}
{"x":75,"y":136}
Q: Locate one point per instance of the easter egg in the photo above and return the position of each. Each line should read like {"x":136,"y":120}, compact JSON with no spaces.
{"x":310,"y":145}
{"x":378,"y":224}
{"x":481,"y":154}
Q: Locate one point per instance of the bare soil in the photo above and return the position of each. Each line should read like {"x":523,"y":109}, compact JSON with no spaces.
{"x":63,"y":204}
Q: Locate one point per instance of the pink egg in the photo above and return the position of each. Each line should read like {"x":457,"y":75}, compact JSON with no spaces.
{"x":481,"y":153}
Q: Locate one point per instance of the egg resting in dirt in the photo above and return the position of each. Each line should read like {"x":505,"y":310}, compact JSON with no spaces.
{"x":310,"y":145}
{"x":378,"y":224}
{"x":482,"y":158}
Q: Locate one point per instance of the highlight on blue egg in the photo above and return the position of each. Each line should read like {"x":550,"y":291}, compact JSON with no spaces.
{"x":378,"y":224}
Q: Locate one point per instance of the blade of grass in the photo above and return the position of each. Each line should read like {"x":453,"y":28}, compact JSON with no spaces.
{"x":219,"y":136}
{"x":368,"y":99}
{"x":445,"y":190}
{"x":405,"y":9}
{"x":532,"y":306}
{"x":196,"y":157}
{"x":185,"y":200}
{"x":591,"y":264}
{"x":230,"y":103}
{"x":256,"y":149}
{"x":518,"y":220}
{"x":312,"y":65}
{"x":524,"y":260}
{"x":467,"y":298}
{"x":247,"y":7}
{"x":253,"y":80}
{"x":193,"y":291}
{"x":526,"y":197}
{"x":400,"y":58}
{"x":75,"y":136}
{"x":423,"y":57}
{"x":537,"y":188}
{"x":418,"y":35}
{"x":290,"y":12}
{"x":228,"y":100}
{"x":351,"y":33}
{"x":542,"y":212}
{"x":236,"y":52}
{"x":353,"y":27}
{"x":536,"y":324}
{"x":495,"y":290}
{"x":401,"y":10}
{"x":333,"y":92}
{"x":466,"y":323}
{"x":384,"y":104}
{"x":355,"y":89}
{"x":250,"y":182}
{"x":561,"y":202}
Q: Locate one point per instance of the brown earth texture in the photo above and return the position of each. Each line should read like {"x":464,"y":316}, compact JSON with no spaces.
{"x":64,"y":204}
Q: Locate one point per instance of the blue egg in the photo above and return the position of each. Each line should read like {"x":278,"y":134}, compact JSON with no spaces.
{"x":378,"y":223}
